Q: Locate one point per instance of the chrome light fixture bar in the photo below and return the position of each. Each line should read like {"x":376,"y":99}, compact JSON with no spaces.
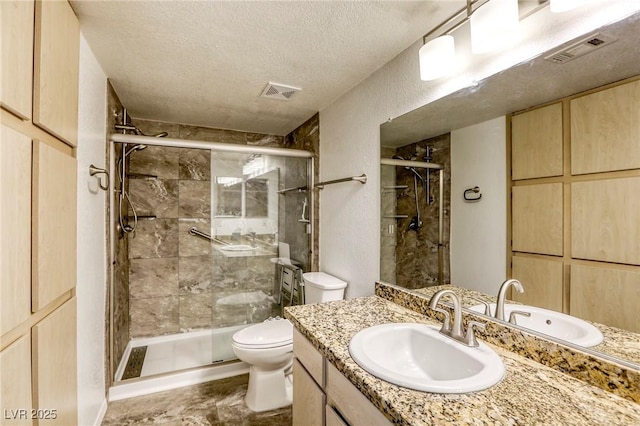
{"x":493,"y":23}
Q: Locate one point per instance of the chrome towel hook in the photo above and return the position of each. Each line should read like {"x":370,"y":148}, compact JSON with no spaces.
{"x":93,"y":170}
{"x":468,"y":194}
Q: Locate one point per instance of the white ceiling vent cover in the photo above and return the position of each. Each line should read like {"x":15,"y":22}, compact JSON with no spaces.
{"x":279,"y":91}
{"x":580,"y":48}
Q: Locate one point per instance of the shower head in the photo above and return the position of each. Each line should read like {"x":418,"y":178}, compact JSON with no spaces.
{"x":138,"y":147}
{"x":416,"y":174}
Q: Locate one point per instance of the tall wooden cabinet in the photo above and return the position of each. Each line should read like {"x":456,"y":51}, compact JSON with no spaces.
{"x":38,"y":193}
{"x":575,"y":208}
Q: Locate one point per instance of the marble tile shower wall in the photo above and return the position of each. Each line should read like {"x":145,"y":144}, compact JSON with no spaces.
{"x":388,"y":224}
{"x":416,"y":253}
{"x":177,"y":281}
{"x":121,"y":265}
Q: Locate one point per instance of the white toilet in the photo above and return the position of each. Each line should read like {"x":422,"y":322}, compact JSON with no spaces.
{"x":268,"y":347}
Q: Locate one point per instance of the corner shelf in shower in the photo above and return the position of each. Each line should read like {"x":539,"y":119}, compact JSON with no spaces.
{"x":396,"y":216}
{"x":141,"y":176}
{"x":143,"y":217}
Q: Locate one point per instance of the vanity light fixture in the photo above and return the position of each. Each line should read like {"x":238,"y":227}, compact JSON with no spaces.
{"x":437,"y":57}
{"x":494,"y":25}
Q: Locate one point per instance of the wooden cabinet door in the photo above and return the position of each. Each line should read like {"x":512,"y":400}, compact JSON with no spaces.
{"x":54,"y":224}
{"x":57,"y":46}
{"x":536,"y":143}
{"x":16,"y":46}
{"x":308,"y":398}
{"x":15,"y":228}
{"x":15,"y":383}
{"x":605,"y":220}
{"x":608,"y":295}
{"x":542,"y":281}
{"x":605,"y":130}
{"x":536,"y":215}
{"x":55,"y":365}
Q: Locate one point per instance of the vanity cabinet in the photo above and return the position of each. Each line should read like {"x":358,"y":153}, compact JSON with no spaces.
{"x":38,"y":218}
{"x":575,"y":214}
{"x":323,"y":396}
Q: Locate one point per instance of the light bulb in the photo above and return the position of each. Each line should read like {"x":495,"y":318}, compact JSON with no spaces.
{"x":494,"y":25}
{"x":437,"y":58}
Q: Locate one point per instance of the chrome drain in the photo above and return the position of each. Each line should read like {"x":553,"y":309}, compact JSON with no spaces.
{"x":134,"y":363}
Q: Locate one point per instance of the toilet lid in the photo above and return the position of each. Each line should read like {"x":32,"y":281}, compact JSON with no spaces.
{"x":266,"y":334}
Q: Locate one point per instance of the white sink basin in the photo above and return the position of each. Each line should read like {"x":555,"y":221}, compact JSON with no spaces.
{"x":417,"y":356}
{"x":237,"y":247}
{"x":551,"y":323}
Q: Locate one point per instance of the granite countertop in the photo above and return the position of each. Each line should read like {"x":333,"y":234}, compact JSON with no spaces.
{"x":530,"y":393}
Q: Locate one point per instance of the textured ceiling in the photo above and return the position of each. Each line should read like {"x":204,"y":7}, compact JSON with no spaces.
{"x":207,"y":62}
{"x":527,"y":84}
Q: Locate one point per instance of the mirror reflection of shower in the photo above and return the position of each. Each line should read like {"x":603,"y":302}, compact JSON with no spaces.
{"x":389,"y":199}
{"x":124,"y":201}
{"x":416,"y":222}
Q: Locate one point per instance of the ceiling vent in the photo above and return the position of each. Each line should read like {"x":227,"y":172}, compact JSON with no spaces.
{"x":580,"y":48}
{"x":279,"y":91}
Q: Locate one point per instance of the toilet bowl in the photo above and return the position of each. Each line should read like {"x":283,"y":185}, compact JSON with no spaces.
{"x":268,"y":347}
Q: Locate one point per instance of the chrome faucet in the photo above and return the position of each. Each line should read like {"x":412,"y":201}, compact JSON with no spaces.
{"x":454,"y":329}
{"x":502,"y":293}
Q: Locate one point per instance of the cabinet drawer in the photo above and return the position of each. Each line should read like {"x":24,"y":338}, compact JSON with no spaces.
{"x":352,"y":405}
{"x":309,"y":357}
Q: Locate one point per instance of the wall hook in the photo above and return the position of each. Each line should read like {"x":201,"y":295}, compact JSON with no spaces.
{"x":93,"y":170}
{"x":468,"y":194}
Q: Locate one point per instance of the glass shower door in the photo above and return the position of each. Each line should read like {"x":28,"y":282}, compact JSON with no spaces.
{"x":253,"y":223}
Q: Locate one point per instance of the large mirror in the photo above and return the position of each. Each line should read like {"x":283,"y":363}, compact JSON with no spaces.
{"x":407,"y":257}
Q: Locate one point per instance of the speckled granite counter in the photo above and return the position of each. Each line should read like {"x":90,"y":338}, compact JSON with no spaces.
{"x":529,"y":393}
{"x":591,"y":367}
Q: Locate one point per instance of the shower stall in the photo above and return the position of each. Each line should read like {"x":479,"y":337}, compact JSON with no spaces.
{"x":413,"y":227}
{"x":199,"y":234}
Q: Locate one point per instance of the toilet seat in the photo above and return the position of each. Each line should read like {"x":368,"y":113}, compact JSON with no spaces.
{"x":269,"y":334}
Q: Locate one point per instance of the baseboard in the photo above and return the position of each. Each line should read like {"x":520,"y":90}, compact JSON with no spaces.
{"x":147,"y":385}
{"x":101,"y":413}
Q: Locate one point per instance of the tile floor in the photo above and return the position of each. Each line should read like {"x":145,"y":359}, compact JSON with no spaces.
{"x":217,"y":403}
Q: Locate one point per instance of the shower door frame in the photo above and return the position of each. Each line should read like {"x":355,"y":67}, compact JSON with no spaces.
{"x":121,"y":138}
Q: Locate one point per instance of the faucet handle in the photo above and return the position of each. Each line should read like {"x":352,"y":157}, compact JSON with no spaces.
{"x":513,"y":314}
{"x":487,"y":309}
{"x":446,"y":325}
{"x":470,"y":338}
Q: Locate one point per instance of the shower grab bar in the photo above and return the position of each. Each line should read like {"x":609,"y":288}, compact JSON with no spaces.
{"x":194,"y":231}
{"x":362,"y":179}
{"x":297,"y":188}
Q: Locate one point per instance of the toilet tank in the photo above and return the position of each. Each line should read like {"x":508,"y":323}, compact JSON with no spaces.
{"x":321,"y":287}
